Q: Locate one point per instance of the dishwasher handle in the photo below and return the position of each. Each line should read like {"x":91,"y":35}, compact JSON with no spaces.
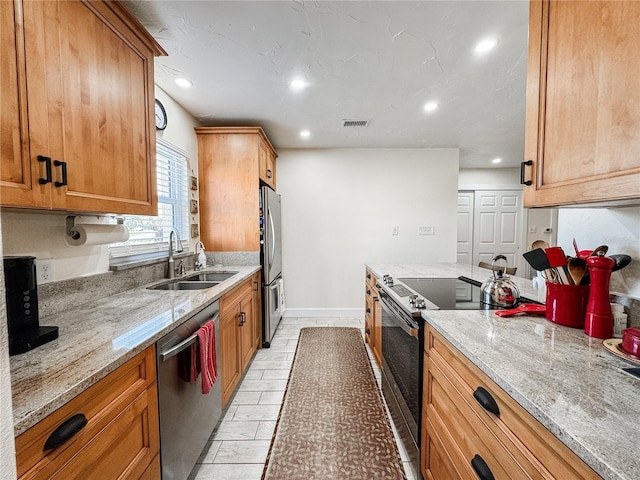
{"x":183,"y":345}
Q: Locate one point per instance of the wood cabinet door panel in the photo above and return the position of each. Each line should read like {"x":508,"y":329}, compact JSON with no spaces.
{"x":90,"y":86}
{"x":229,"y":356}
{"x":583,"y":107}
{"x":247,"y":333}
{"x":19,"y":185}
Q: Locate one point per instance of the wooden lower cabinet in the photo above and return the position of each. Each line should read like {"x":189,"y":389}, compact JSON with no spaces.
{"x":121,"y":439}
{"x":373,"y":317}
{"x":256,"y":282}
{"x":237,"y":334}
{"x":461,"y":438}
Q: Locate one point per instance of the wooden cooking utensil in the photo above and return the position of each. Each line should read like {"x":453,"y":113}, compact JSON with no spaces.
{"x":596,"y":251}
{"x":539,"y":244}
{"x":577,"y":268}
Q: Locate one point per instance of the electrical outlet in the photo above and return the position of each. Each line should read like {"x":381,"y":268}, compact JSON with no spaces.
{"x":427,"y":230}
{"x":44,"y":270}
{"x":394,"y":230}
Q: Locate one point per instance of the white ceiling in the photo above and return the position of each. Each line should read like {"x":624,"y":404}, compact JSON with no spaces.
{"x":379,"y":61}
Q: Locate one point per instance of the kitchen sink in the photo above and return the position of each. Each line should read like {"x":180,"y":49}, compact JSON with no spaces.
{"x":210,"y":277}
{"x":182,"y":285}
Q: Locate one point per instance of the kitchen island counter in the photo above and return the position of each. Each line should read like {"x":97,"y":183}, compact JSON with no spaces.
{"x":562,"y":377}
{"x":95,"y":340}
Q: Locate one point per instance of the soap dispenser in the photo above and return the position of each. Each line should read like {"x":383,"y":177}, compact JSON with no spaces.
{"x":201,"y":258}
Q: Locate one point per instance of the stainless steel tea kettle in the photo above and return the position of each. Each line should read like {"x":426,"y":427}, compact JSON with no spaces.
{"x":498,"y":290}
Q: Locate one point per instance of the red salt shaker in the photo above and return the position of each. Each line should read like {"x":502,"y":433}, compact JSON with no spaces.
{"x":599,"y":319}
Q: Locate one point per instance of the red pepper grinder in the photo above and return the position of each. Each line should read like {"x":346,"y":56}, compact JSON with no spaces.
{"x":599,"y":319}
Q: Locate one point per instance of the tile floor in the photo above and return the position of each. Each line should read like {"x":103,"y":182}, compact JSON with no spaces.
{"x":238,"y":448}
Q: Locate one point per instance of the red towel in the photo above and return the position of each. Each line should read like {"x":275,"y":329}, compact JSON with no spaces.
{"x":205,"y":361}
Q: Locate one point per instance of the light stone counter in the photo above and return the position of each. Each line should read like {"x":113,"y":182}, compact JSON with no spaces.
{"x":96,"y":340}
{"x":561,"y":376}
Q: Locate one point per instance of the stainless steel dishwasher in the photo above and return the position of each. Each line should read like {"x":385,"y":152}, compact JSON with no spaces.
{"x":187,"y":417}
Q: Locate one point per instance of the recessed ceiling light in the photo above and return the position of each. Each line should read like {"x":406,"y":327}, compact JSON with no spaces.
{"x":485,"y":45}
{"x":305,"y":133}
{"x":183,"y":82}
{"x":496,"y":160}
{"x":298,"y":84}
{"x":430,"y":106}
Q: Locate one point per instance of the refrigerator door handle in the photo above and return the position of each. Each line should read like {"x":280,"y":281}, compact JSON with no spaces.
{"x":273,"y":238}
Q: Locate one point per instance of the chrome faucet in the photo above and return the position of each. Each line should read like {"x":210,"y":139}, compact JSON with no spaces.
{"x":171,"y":263}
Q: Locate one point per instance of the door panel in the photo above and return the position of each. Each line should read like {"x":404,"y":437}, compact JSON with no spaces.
{"x":465,"y":227}
{"x":497,"y":226}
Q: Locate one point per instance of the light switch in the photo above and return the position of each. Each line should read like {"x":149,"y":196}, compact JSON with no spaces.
{"x":394,"y":230}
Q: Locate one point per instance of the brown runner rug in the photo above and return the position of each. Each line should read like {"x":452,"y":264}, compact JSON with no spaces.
{"x":332,"y":423}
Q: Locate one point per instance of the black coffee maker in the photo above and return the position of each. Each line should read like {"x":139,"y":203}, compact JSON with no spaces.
{"x":25,"y":332}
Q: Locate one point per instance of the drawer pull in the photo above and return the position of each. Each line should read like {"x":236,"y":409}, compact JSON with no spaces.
{"x":65,"y":432}
{"x":486,"y":401}
{"x":481,"y":468}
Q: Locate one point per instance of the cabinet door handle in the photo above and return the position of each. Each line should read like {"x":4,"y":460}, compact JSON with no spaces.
{"x":47,"y":165}
{"x":528,"y":163}
{"x":481,"y":468}
{"x":486,"y":401}
{"x":269,"y":174}
{"x":368,"y":310}
{"x":368,"y":291}
{"x":63,"y":165}
{"x":376,"y":299}
{"x":369,"y":276}
{"x":367,"y":331}
{"x":65,"y":431}
{"x":243,"y":319}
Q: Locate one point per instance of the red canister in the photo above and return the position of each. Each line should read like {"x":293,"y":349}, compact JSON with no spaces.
{"x":566,"y":304}
{"x":599,"y":320}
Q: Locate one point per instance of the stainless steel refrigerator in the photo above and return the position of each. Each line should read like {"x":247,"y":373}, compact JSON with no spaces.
{"x":271,"y":260}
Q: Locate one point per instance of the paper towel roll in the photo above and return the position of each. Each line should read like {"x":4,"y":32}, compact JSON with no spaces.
{"x":97,"y":234}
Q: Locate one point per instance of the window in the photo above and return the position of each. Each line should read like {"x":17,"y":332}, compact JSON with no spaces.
{"x":148,"y":234}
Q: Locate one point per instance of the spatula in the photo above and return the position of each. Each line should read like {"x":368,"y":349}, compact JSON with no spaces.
{"x":558,"y":260}
{"x":524,"y":308}
{"x":539,"y":261}
{"x":577,"y":269}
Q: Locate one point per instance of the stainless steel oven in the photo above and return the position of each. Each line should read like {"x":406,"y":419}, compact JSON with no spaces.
{"x":402,"y":338}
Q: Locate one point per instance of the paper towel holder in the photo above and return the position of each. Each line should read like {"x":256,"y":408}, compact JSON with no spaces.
{"x":71,"y":225}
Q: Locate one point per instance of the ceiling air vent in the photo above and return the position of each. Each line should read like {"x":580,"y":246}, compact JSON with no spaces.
{"x":355,"y":123}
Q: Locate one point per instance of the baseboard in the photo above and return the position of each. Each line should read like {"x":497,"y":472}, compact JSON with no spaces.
{"x":324,"y":312}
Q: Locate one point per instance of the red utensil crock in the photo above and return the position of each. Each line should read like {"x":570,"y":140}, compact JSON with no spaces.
{"x":566,"y":304}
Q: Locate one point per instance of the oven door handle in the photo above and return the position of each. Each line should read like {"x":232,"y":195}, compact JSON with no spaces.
{"x":409,"y":328}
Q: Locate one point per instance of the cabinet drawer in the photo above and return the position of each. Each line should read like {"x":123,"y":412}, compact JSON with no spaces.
{"x":122,"y":426}
{"x":536,"y":450}
{"x":230,"y":299}
{"x":460,"y":425}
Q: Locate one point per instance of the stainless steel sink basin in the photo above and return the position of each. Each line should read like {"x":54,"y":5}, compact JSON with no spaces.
{"x":210,"y":277}
{"x":182,"y":285}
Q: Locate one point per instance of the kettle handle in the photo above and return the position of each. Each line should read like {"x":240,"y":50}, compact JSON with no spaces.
{"x":495,"y":259}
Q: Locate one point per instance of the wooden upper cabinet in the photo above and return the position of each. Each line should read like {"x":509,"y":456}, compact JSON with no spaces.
{"x":230,"y":162}
{"x":89,"y":98}
{"x":583,"y":104}
{"x":267,"y":164}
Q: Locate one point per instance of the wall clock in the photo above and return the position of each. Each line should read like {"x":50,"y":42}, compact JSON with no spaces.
{"x":161,"y":116}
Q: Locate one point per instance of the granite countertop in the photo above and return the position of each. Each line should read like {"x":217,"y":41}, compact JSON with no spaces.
{"x":561,"y":376}
{"x":96,"y":340}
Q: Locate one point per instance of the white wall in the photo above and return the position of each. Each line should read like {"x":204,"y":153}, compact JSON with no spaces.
{"x":488,"y":178}
{"x":618,"y":228}
{"x":338,"y":210}
{"x":7,"y":446}
{"x":42,"y":234}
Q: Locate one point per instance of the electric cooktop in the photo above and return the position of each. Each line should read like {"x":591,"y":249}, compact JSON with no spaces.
{"x":460,"y":293}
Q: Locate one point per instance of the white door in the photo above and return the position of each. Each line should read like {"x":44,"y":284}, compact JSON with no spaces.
{"x":497,"y":228}
{"x":465,"y":228}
